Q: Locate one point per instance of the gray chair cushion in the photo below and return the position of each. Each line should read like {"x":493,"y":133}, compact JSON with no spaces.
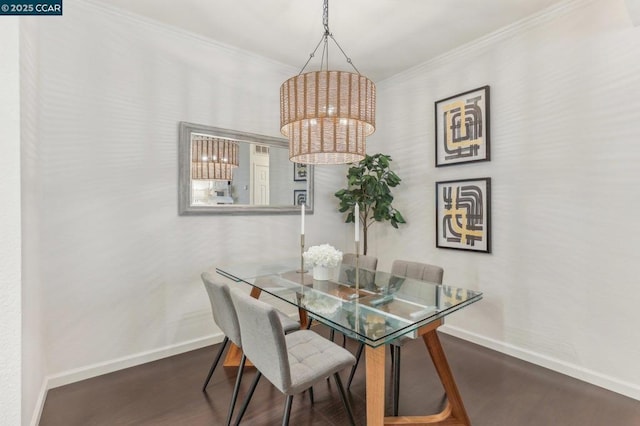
{"x":263,"y":338}
{"x":367,"y":276}
{"x":418,"y":271}
{"x":292,"y":362}
{"x":288,"y":324}
{"x":312,"y":357}
{"x":224,"y":313}
{"x":365,"y":262}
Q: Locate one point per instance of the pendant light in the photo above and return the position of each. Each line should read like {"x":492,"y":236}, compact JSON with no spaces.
{"x":213,"y":158}
{"x":327,"y":115}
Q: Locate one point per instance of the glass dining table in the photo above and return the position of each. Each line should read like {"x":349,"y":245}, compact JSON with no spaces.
{"x":372,"y":307}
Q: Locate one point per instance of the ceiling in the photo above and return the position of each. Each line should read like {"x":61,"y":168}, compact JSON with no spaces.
{"x":382,"y":37}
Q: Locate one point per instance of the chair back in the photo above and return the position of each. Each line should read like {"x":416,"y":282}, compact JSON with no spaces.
{"x":365,"y":262}
{"x":224,"y":312}
{"x":417,"y":271}
{"x":348,"y":270}
{"x":263,"y":340}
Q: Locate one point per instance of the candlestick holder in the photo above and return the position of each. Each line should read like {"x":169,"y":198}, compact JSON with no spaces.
{"x":301,"y":271}
{"x":358,"y":268}
{"x":357,"y":293}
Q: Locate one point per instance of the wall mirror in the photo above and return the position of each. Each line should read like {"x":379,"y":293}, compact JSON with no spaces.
{"x":225,"y":171}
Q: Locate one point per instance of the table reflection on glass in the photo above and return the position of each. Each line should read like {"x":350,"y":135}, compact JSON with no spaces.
{"x":380,"y":308}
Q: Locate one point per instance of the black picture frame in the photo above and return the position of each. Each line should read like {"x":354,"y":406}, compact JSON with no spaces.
{"x":299,"y":197}
{"x":463,"y":214}
{"x":300,"y":172}
{"x":462,"y":128}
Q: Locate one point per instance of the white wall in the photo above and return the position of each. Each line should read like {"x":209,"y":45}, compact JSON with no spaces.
{"x":115,"y":268}
{"x":561,"y":286}
{"x":33,"y":284}
{"x":114,"y":271}
{"x":10,"y":273}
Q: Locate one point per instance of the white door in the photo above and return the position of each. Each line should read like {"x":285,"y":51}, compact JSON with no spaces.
{"x":259,"y":175}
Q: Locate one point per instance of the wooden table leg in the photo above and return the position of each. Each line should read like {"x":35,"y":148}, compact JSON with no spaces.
{"x":375,"y":365}
{"x":439,"y":359}
{"x":304,"y":318}
{"x":234,"y":353}
{"x":454,"y":412}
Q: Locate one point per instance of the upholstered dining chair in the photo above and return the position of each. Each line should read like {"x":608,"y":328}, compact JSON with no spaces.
{"x":224,"y":315}
{"x":418,"y":271}
{"x":347,"y":276}
{"x":414,"y":270}
{"x":292,"y":362}
{"x":347,"y":273}
{"x":368,"y":266}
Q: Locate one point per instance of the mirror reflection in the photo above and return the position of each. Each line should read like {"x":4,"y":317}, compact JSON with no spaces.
{"x":227,"y":171}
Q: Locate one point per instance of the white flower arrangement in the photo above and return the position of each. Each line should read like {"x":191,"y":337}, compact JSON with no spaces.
{"x":323,"y":255}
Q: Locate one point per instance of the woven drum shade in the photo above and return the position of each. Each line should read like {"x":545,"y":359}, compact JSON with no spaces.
{"x":327,"y":115}
{"x":213,"y":158}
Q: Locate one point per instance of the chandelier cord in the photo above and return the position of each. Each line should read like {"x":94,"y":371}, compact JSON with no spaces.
{"x":325,"y":17}
{"x":325,"y":38}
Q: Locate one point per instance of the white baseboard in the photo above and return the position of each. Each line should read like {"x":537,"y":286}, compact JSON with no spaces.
{"x":53,"y":381}
{"x":37,"y":412}
{"x":632,"y":390}
{"x":75,"y":375}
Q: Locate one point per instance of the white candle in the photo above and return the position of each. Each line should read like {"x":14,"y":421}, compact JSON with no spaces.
{"x":302,"y":221}
{"x":356,"y":214}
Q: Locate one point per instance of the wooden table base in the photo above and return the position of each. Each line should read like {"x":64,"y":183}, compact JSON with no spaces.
{"x":232,"y":359}
{"x":454,"y":412}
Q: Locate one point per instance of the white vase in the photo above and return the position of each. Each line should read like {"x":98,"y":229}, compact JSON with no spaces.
{"x":321,"y":273}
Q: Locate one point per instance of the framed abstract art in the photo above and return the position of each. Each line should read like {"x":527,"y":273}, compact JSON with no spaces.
{"x":463,"y":214}
{"x":299,"y":172}
{"x":299,"y":197}
{"x":462,"y":128}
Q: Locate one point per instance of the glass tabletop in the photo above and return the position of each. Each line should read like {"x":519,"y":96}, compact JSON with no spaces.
{"x":380,"y":308}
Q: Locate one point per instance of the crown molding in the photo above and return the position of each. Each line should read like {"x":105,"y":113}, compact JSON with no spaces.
{"x":178,"y":32}
{"x":471,"y":48}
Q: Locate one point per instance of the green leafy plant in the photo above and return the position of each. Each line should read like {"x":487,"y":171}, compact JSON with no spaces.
{"x":369,"y":184}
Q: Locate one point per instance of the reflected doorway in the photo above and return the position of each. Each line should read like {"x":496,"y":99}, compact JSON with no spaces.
{"x":259,"y":159}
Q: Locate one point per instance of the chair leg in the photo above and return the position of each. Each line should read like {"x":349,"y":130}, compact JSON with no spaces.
{"x":311,"y":394}
{"x":309,"y":323}
{"x":215,"y":363}
{"x":236,"y":388}
{"x":343,"y":396}
{"x":247,"y":398}
{"x":396,"y":379}
{"x":392,"y":352}
{"x":332,"y":334}
{"x":287,"y":410}
{"x":355,"y":366}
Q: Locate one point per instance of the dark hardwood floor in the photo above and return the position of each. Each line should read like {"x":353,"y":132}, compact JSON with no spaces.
{"x":497,"y":390}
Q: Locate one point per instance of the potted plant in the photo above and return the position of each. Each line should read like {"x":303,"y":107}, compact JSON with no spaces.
{"x":369,"y":184}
